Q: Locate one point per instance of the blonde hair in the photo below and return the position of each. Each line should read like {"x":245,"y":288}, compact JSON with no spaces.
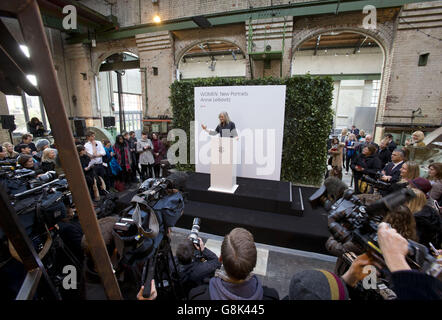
{"x":10,"y":154}
{"x":416,"y":204}
{"x":361,"y":132}
{"x":412,"y":170}
{"x":45,"y":155}
{"x":226,"y":116}
{"x":419,"y":134}
{"x":345,"y":130}
{"x":352,"y":135}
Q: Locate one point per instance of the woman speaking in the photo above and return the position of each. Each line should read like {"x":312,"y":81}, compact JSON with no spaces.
{"x":225,"y":128}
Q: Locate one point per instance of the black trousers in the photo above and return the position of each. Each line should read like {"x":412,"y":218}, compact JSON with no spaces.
{"x":146,"y":171}
{"x":156,"y":169}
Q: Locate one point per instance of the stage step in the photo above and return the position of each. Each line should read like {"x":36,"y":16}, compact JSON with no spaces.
{"x":253,"y":194}
{"x":308,"y":232}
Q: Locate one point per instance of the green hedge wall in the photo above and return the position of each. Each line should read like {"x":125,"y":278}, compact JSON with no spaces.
{"x":307,"y":125}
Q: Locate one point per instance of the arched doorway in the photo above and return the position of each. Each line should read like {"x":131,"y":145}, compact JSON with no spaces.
{"x":119,"y":91}
{"x":356,"y":62}
{"x":212,"y":58}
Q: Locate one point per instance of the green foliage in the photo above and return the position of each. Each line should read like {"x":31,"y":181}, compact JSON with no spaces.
{"x":308,"y":121}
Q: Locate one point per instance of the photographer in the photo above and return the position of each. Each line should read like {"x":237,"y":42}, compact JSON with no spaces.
{"x":193,"y":270}
{"x":407,"y":284}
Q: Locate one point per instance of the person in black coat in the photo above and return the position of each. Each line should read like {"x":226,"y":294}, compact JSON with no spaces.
{"x":191,"y":269}
{"x":365,"y":163}
{"x":392,"y":170}
{"x":383,"y":153}
{"x":391,"y":144}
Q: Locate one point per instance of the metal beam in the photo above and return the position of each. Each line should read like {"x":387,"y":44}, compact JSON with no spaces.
{"x":34,"y":33}
{"x":123,"y":65}
{"x":14,"y":230}
{"x":241,"y":16}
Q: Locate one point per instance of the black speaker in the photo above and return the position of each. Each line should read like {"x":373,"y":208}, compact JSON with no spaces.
{"x":8,"y":122}
{"x":80,"y":127}
{"x":109,"y":122}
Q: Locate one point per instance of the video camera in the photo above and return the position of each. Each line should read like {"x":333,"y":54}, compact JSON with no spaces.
{"x":141,"y":233}
{"x":349,"y":220}
{"x":384,"y":187}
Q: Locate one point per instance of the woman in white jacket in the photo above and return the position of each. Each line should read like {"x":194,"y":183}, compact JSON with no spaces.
{"x":145,"y":148}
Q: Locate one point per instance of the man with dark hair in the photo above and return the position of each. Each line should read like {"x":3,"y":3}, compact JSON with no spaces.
{"x":354,"y":130}
{"x":24,"y":149}
{"x":391,"y":145}
{"x":193,"y":270}
{"x":27,"y":139}
{"x":235,"y":280}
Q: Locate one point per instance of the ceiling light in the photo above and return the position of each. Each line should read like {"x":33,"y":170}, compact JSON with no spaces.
{"x":25,"y":50}
{"x":156,"y":19}
{"x":32,"y":79}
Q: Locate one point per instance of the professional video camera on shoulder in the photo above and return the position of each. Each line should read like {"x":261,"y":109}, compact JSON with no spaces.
{"x":141,"y":233}
{"x":349,"y":220}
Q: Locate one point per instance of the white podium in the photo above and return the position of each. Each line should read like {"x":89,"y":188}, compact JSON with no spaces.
{"x":223,"y":164}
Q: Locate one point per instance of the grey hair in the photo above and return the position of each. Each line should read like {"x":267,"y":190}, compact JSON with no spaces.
{"x":226,"y":116}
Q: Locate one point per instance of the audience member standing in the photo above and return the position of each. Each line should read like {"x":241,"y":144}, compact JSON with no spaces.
{"x":391,"y":144}
{"x":95,"y":151}
{"x":159,"y":152}
{"x":122,"y":154}
{"x":350,"y":147}
{"x":144,"y":149}
{"x":336,"y":152}
{"x":383,"y":153}
{"x":366,"y":163}
{"x":354,"y":130}
{"x":88,"y":172}
{"x":132,"y":154}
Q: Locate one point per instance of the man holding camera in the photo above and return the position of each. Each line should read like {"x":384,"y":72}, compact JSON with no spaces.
{"x":195,"y":264}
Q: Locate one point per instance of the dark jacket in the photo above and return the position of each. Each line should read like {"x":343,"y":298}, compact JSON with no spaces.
{"x":248,"y":290}
{"x":371,"y":165}
{"x":47,"y":166}
{"x":31,"y":145}
{"x":384,"y":155}
{"x":395,"y":173}
{"x":429,"y":226}
{"x":416,"y":285}
{"x":36,"y":132}
{"x":391,"y":146}
{"x":193,"y":274}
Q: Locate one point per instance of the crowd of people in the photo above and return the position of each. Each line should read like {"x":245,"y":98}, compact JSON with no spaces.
{"x":106,"y":166}
{"x":230,"y":276}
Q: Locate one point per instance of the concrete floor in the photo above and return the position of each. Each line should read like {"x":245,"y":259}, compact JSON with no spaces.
{"x":275,"y":266}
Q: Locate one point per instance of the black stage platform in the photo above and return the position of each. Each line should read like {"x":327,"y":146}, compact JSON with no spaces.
{"x":255,"y":194}
{"x":260,"y":206}
{"x":308,"y":232}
